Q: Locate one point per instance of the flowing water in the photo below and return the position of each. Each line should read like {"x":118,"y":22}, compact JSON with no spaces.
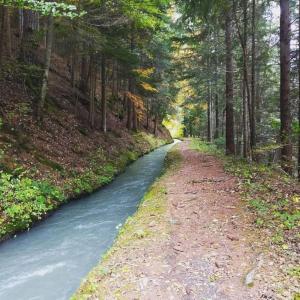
{"x":50,"y":260}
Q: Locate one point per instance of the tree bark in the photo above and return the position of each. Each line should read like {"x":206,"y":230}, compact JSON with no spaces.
{"x":93,"y":81}
{"x":30,"y":23}
{"x":134,"y":118}
{"x":84,"y":74}
{"x":230,"y":145}
{"x":209,"y":112}
{"x":129,"y":106}
{"x":5,"y":34}
{"x":299,"y":92}
{"x":246,"y":134}
{"x":130,"y":86}
{"x":253,"y":76}
{"x":103,"y":94}
{"x":44,"y":88}
{"x":155,"y":124}
{"x":285,"y":111}
{"x":147,"y":113}
{"x":217,"y":117}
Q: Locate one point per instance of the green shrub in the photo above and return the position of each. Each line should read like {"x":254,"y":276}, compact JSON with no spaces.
{"x":24,"y":200}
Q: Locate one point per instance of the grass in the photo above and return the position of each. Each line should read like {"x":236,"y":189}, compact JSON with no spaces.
{"x":135,"y":233}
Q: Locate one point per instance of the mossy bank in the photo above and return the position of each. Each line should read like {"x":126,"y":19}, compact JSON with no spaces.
{"x":27,"y":195}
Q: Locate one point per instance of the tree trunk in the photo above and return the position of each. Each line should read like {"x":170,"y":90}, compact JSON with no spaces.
{"x":246,"y":133}
{"x":103,"y":95}
{"x":84,"y":74}
{"x":230,"y":147}
{"x":74,"y":62}
{"x":247,"y":107}
{"x":115,"y":79}
{"x":299,"y":93}
{"x":44,"y":88}
{"x":134,"y":118}
{"x":147,"y":112}
{"x":130,"y":85}
{"x":129,"y":107}
{"x":93,"y":81}
{"x":5,"y":34}
{"x":285,"y":111}
{"x":248,"y":126}
{"x":209,"y":112}
{"x":27,"y":41}
{"x":2,"y":34}
{"x":155,"y":124}
{"x":217,"y":117}
{"x":8,"y":32}
{"x":253,"y":76}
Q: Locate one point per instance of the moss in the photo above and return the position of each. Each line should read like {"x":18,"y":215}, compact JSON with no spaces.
{"x":135,"y":231}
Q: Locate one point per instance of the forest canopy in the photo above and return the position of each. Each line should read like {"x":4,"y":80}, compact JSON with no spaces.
{"x":228,"y":71}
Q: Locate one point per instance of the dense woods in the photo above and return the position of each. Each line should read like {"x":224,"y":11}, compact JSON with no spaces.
{"x":240,"y":72}
{"x":113,"y":53}
{"x":87,"y":87}
{"x":233,"y":66}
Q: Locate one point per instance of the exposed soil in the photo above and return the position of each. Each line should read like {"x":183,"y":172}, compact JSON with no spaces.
{"x":211,"y":250}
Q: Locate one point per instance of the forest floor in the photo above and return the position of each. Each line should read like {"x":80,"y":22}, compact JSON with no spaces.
{"x":193,"y":238}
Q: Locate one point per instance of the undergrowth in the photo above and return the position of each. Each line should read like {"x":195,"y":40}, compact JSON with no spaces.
{"x":24,"y":199}
{"x":271,"y":195}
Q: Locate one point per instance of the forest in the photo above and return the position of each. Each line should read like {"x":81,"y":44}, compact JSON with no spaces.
{"x":236,"y":83}
{"x":89,"y":87}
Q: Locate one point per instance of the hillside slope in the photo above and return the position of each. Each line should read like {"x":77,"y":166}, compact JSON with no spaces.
{"x":44,"y":165}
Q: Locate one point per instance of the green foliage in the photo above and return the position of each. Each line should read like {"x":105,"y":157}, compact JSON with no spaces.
{"x":288,"y":220}
{"x":91,"y":180}
{"x":295,"y":272}
{"x":205,"y":147}
{"x":24,"y":200}
{"x":144,"y":14}
{"x":56,"y":9}
{"x":259,"y":205}
{"x":101,"y":171}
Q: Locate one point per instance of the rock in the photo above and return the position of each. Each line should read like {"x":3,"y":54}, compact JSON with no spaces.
{"x":232,"y":237}
{"x":250,"y":277}
{"x":175,"y":222}
{"x":178,"y":249}
{"x":249,"y":280}
{"x":152,"y":224}
{"x":143,"y":282}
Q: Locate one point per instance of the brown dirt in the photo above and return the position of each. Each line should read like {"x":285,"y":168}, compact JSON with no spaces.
{"x":211,"y":248}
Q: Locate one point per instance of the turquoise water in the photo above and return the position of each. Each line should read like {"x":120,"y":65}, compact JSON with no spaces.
{"x":50,"y":260}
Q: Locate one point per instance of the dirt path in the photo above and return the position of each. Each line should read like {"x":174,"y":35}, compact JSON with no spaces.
{"x":210,"y":248}
{"x":209,"y":252}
